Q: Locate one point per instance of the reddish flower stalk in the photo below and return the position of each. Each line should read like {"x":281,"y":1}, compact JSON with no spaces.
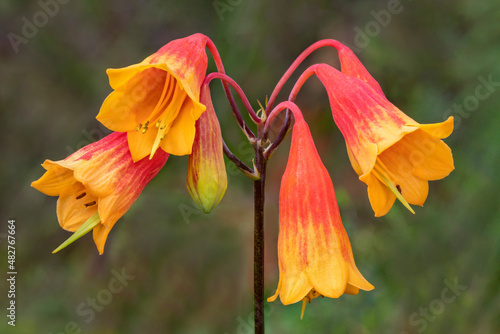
{"x":220,"y":67}
{"x":296,"y":63}
{"x":226,"y":79}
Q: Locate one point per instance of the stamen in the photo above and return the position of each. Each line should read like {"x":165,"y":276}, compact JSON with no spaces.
{"x":166,"y":95}
{"x":81,"y":195}
{"x":90,"y":204}
{"x":86,"y":227}
{"x":307,"y":299}
{"x":168,"y":115}
{"x":303,"y":308}
{"x":380,"y":173}
{"x":145,"y":128}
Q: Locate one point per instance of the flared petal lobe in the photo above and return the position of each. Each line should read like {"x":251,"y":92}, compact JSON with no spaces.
{"x":157,"y":101}
{"x":315,"y":255}
{"x":100,"y":177}
{"x":206,"y":176}
{"x":393,"y":154}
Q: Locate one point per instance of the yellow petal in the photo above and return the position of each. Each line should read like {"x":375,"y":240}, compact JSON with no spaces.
{"x":273,"y":297}
{"x":100,"y":234}
{"x":118,"y":77}
{"x":112,"y":207}
{"x":440,"y":130}
{"x":381,"y":198}
{"x":140,"y":144}
{"x":437,"y":163}
{"x":134,"y":101}
{"x":327,"y":267}
{"x":294,"y":287}
{"x":179,"y":139}
{"x":72,"y":212}
{"x":54,"y":180}
{"x":413,"y":189}
{"x":116,"y":114}
{"x":356,"y":280}
{"x":351,"y":290}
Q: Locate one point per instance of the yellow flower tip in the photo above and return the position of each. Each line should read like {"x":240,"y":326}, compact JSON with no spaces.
{"x":273,"y":297}
{"x":440,"y":130}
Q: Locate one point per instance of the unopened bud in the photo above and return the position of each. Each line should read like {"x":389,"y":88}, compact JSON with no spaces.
{"x":206,"y":176}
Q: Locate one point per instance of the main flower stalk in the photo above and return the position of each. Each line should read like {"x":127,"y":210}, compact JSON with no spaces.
{"x":259,"y":199}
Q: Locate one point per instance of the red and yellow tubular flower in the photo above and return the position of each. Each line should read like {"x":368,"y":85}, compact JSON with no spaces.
{"x":393,"y":154}
{"x":206,"y":176}
{"x":157,"y":101}
{"x":100,"y":180}
{"x":315,"y":255}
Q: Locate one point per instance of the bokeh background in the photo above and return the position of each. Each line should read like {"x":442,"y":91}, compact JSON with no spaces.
{"x":435,"y":272}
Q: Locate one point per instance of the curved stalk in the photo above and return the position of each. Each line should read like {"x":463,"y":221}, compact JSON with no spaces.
{"x":220,"y":67}
{"x":326,"y":42}
{"x":246,"y":130}
{"x":286,"y":125}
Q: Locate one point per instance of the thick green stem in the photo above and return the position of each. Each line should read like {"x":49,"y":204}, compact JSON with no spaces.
{"x":259,"y":198}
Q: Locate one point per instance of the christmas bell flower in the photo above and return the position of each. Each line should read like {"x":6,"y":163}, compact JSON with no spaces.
{"x":157,"y":101}
{"x":206,"y":176}
{"x":393,"y":154}
{"x":315,"y":255}
{"x":97,"y":185}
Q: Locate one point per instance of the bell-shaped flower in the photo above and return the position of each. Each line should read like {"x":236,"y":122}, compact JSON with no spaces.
{"x":97,"y":184}
{"x":393,"y":154}
{"x":315,"y":255}
{"x":157,"y":101}
{"x":206,"y":175}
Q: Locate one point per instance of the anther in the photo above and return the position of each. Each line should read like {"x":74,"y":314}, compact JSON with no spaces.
{"x":90,"y":204}
{"x":138,"y":127}
{"x":145,"y":128}
{"x":398,"y":187}
{"x":162,"y":127}
{"x":161,"y":138}
{"x":158,"y":124}
{"x":81,"y":195}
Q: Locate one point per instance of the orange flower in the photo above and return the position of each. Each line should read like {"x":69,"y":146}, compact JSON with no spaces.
{"x":206,"y":175}
{"x":394,"y":155}
{"x":157,"y":101}
{"x":315,"y":255}
{"x":98,"y":183}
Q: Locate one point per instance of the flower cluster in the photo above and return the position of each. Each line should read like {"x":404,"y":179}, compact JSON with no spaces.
{"x":162,"y":106}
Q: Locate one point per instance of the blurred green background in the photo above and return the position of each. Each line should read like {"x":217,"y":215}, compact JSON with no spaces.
{"x":192,"y":273}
